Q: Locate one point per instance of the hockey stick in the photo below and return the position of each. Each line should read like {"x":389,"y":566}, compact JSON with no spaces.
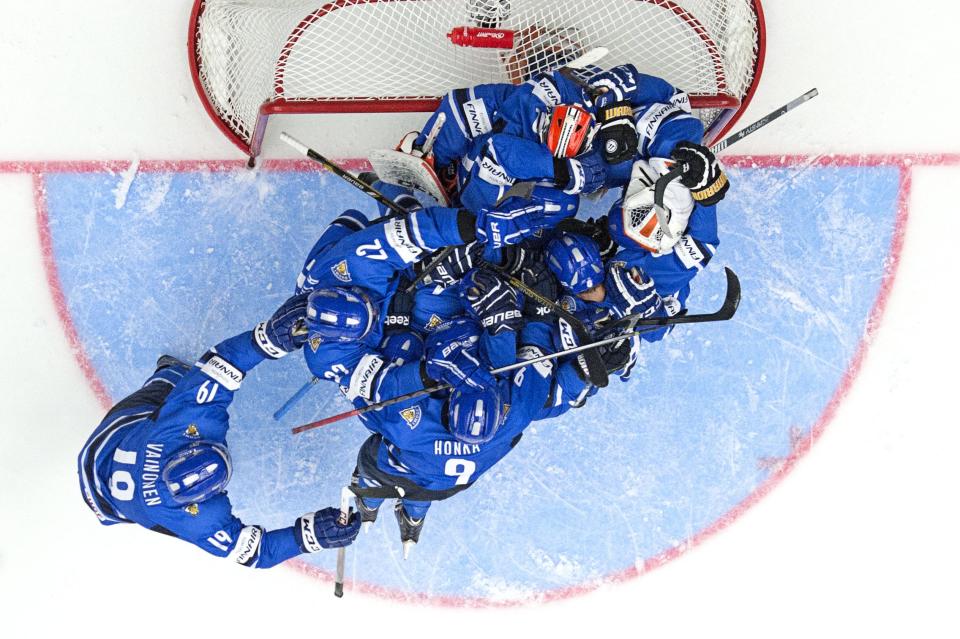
{"x":726,"y":311}
{"x":296,"y":397}
{"x":664,"y":180}
{"x":344,"y":519}
{"x":336,"y":170}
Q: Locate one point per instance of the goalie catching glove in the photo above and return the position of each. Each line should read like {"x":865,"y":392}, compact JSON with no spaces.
{"x":702,"y":173}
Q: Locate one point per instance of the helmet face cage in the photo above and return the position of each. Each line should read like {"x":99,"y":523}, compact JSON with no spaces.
{"x":575,"y":260}
{"x":475,"y":416}
{"x":197,"y":472}
{"x":343,"y":314}
{"x":570,"y":131}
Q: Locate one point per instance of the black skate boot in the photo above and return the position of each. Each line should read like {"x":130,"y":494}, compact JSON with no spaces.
{"x":169,"y":361}
{"x":368,"y":515}
{"x":409,"y":528}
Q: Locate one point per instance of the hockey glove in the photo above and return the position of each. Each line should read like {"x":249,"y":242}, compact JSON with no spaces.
{"x":597,"y":230}
{"x":453,"y":267}
{"x":492,"y":301}
{"x":616,"y":85}
{"x":620,"y":356}
{"x":319,"y":530}
{"x":631,"y":292}
{"x":285,"y":331}
{"x":541,"y":280}
{"x":400,"y":311}
{"x":702,"y":173}
{"x":510,"y":223}
{"x":618,"y":133}
{"x":452,"y":356}
{"x":583,"y":174}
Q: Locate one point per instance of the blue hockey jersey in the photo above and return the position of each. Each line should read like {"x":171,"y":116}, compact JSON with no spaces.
{"x":371,"y":258}
{"x":120,"y":466}
{"x":417,"y":447}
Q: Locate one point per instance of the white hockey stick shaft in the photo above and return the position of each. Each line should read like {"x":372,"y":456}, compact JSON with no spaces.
{"x":344,"y":519}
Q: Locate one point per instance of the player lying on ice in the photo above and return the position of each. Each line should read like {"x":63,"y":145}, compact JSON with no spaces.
{"x":159,"y":458}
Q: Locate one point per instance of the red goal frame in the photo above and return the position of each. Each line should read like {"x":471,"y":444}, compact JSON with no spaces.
{"x":732,"y":107}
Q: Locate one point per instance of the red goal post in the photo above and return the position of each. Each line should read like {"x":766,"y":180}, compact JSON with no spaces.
{"x":253,"y":58}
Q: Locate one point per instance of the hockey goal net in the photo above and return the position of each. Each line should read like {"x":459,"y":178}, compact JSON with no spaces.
{"x":253,"y":58}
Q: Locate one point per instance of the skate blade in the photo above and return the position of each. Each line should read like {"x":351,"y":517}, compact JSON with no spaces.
{"x":367,"y":525}
{"x":407,"y":547}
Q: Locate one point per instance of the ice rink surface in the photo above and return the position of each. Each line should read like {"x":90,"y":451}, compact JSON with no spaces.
{"x":794,"y":469}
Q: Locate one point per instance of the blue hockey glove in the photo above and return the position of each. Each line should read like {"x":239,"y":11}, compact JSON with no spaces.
{"x":492,"y":301}
{"x":632,"y":293}
{"x":453,"y":358}
{"x":510,"y":223}
{"x":319,"y":530}
{"x":453,"y":267}
{"x":616,"y":85}
{"x":285,"y":331}
{"x":583,"y":174}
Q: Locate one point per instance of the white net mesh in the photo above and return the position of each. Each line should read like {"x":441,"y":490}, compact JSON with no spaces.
{"x":250,"y":51}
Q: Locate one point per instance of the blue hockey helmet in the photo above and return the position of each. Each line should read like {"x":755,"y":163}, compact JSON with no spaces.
{"x":340,"y":313}
{"x":197,"y":472}
{"x":475,"y":416}
{"x":402,"y":347}
{"x":575,"y":260}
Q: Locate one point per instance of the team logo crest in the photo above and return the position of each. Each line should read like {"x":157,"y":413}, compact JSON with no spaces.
{"x":192,"y":509}
{"x":433,"y":322}
{"x":192,"y":432}
{"x":568,"y":304}
{"x":315,"y":343}
{"x":412,"y":416}
{"x":341,"y":272}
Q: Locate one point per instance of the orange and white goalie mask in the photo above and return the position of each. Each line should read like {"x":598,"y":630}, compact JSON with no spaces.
{"x":639,"y":221}
{"x":570,"y":131}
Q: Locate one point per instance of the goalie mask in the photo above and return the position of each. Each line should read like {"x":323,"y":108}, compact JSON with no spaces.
{"x":340,"y":314}
{"x":197,"y":472}
{"x":570,"y":131}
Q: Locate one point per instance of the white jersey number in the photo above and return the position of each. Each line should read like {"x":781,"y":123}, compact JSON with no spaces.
{"x":462,"y":469}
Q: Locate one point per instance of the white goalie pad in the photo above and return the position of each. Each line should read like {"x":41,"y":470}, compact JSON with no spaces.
{"x":410,"y":171}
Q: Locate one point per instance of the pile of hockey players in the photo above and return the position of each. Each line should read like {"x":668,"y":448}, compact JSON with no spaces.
{"x":382,"y":310}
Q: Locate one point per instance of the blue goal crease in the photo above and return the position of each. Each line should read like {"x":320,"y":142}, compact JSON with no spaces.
{"x":185,"y":259}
